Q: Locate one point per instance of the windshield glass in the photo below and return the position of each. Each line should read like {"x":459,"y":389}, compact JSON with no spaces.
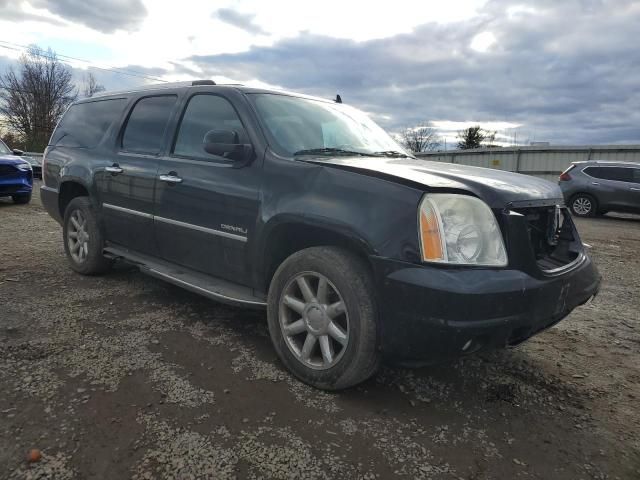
{"x":300,"y":126}
{"x":4,"y":148}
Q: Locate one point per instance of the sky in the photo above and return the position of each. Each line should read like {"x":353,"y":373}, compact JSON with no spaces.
{"x":565,"y":72}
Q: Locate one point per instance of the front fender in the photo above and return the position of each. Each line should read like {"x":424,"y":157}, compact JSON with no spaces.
{"x":376,"y":216}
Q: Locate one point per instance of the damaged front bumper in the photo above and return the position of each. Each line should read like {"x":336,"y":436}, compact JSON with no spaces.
{"x":431,"y":313}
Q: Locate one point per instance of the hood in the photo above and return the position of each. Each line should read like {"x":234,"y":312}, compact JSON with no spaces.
{"x":9,"y":159}
{"x":497,"y":188}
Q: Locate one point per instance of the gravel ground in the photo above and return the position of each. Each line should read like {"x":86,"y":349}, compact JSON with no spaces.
{"x":124,"y":376}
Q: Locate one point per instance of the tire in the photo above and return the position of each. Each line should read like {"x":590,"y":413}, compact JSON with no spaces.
{"x":88,"y":259}
{"x":21,"y":199}
{"x":350,"y":328}
{"x":583,"y":205}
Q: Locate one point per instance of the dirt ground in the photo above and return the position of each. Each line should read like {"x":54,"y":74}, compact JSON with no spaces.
{"x":124,"y":376}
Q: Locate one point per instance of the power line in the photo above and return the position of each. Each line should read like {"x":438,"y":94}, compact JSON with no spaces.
{"x":41,"y":53}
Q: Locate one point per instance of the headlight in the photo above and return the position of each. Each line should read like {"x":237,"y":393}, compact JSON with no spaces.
{"x":459,"y":229}
{"x":25,"y":167}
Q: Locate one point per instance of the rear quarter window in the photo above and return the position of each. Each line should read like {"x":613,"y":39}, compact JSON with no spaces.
{"x":85,"y":124}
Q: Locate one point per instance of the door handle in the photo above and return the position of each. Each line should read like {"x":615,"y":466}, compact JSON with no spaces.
{"x":170,"y":178}
{"x":595,"y":183}
{"x":635,"y":189}
{"x":114,"y":169}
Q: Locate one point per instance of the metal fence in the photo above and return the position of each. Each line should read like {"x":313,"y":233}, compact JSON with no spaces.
{"x":542,"y":161}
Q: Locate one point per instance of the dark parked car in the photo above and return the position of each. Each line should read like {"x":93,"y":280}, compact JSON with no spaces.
{"x":597,"y":187}
{"x":36,"y":165}
{"x":16,"y":175}
{"x":305,"y":207}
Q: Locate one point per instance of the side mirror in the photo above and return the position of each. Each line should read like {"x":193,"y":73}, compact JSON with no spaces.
{"x":17,"y":152}
{"x":226,"y":143}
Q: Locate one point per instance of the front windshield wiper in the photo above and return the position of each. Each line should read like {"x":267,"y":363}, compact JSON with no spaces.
{"x":328,"y":150}
{"x":393,"y":153}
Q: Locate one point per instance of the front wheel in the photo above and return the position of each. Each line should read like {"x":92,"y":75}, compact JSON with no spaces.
{"x":323,"y":318}
{"x":83,"y":240}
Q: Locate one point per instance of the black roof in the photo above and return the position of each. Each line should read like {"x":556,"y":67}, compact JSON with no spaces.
{"x":202,"y":85}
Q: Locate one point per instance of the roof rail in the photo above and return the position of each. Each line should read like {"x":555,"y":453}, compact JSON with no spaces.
{"x":195,"y":83}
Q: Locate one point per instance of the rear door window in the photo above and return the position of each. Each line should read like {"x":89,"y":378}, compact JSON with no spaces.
{"x":85,"y":124}
{"x":147,"y":123}
{"x":620,"y":174}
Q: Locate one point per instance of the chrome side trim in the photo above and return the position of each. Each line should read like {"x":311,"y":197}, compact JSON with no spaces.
{"x":170,"y":221}
{"x":196,"y":288}
{"x":126,"y":210}
{"x":232,"y":236}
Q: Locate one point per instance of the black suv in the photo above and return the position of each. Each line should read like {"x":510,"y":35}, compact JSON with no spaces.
{"x":307,"y":208}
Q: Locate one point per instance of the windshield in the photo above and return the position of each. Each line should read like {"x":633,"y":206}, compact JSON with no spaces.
{"x":4,"y":148}
{"x":300,"y":126}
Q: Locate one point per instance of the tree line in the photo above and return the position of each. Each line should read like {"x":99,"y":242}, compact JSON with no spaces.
{"x":424,"y":138}
{"x":35,"y":94}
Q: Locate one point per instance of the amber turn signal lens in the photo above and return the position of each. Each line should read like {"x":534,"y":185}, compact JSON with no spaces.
{"x":430,"y":229}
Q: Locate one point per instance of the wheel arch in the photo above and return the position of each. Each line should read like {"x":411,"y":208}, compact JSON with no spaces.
{"x":585,"y":194}
{"x":293,"y":235}
{"x":70,"y":189}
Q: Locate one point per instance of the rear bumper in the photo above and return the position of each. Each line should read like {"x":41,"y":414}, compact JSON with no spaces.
{"x":49,"y":199}
{"x":18,"y":184}
{"x":431,"y":314}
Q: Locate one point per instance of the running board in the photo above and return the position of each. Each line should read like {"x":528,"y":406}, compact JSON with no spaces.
{"x":210,"y":287}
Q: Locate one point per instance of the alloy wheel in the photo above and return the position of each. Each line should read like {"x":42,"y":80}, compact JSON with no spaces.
{"x":78,"y":236}
{"x":314,"y":321}
{"x":582,"y":206}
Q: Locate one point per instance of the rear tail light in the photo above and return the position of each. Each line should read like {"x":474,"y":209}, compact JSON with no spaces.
{"x":564,"y":176}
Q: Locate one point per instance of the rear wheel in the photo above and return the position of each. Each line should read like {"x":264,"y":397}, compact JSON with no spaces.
{"x":83,"y":239}
{"x":323,"y":319}
{"x":22,"y":198}
{"x":583,"y":205}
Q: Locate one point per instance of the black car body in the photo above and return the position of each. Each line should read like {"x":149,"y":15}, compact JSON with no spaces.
{"x":35,"y":162}
{"x":236,"y":214}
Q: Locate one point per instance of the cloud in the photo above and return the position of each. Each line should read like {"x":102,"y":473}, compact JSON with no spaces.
{"x":243,"y":21}
{"x":547,"y":69}
{"x":483,"y":41}
{"x":12,"y":11}
{"x":106,"y":16}
{"x":564,"y":85}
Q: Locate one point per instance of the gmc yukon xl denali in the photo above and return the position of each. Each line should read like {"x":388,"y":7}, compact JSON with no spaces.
{"x":358,"y":251}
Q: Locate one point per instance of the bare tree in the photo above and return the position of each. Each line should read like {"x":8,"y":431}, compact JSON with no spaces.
{"x":10,"y":139}
{"x":475,"y":137}
{"x":420,"y":138}
{"x":91,"y":85}
{"x":33,"y":99}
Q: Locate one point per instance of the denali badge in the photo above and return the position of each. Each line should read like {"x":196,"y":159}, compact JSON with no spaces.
{"x":233,"y":228}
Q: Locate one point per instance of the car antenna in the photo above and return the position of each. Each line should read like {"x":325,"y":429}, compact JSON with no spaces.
{"x":338,"y":99}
